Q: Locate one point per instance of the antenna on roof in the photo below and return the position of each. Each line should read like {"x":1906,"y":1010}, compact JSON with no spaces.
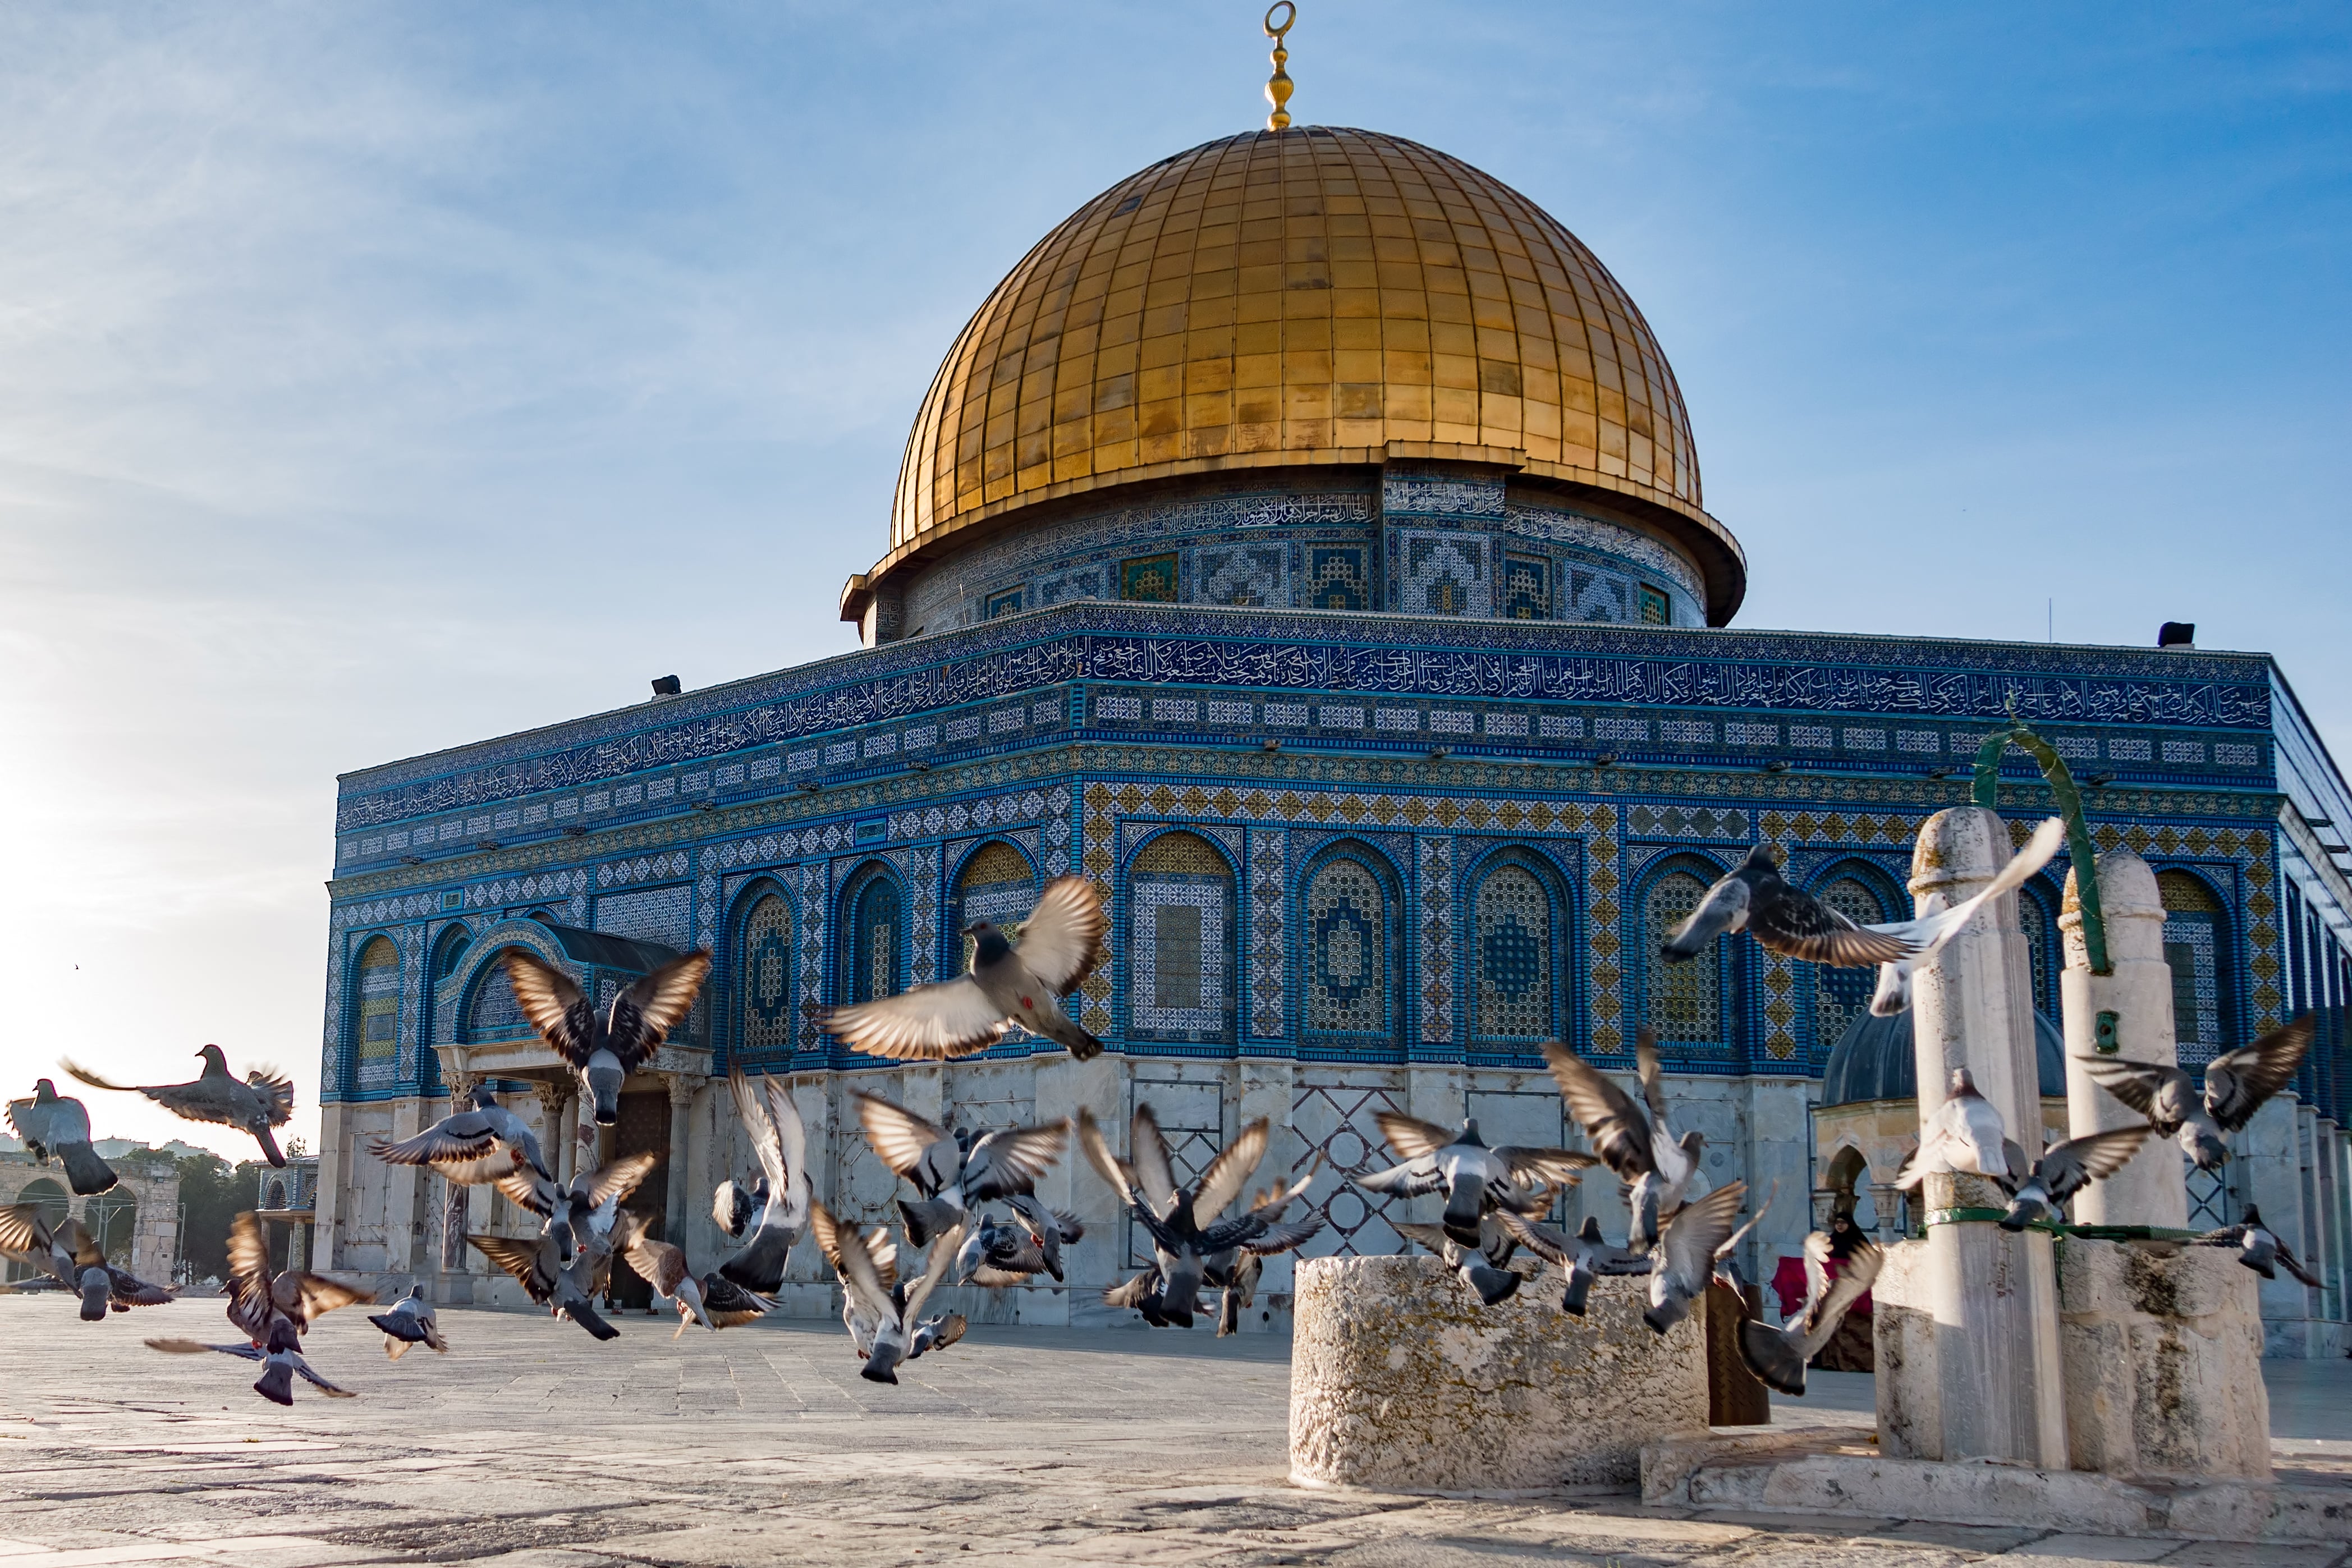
{"x":1277,"y":89}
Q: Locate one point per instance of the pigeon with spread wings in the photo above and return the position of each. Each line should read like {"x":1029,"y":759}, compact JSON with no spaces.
{"x":1010,"y":982}
{"x":2260,"y":1249}
{"x":470,"y":1147}
{"x":713,"y":1301}
{"x":1582,"y":1257}
{"x":772,"y":1122}
{"x":1752,"y":897}
{"x":1778,"y":1356}
{"x":1476,"y":1180}
{"x":411,"y":1321}
{"x":51,"y":1123}
{"x":280,"y":1356}
{"x":2236,"y":1085}
{"x":1682,"y":1263}
{"x":255,"y":1102}
{"x":1637,"y":1144}
{"x":605,"y":1050}
{"x":582,"y":1214}
{"x":954,"y":1170}
{"x":260,"y":1296}
{"x":894,"y":1311}
{"x":2065,"y":1168}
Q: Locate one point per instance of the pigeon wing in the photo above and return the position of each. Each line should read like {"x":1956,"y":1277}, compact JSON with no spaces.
{"x":22,"y":1230}
{"x":195,"y":1101}
{"x":753,"y":1114}
{"x":518,"y":1257}
{"x":1411,"y":1180}
{"x":1560,"y":1167}
{"x":1148,"y":1159}
{"x":1797,"y":925}
{"x":1062,"y":933}
{"x":643,"y":1014}
{"x":792,"y":1136}
{"x":2255,"y":1072}
{"x":1110,"y":1166}
{"x":1283,"y":1238}
{"x":1619,"y":1131}
{"x":1723,"y":904}
{"x":1230,"y":1171}
{"x":2092,"y":1157}
{"x":132,"y":1290}
{"x":942,"y":1259}
{"x":527,"y":1191}
{"x":249,"y":1254}
{"x":1698,"y":1231}
{"x":1540,"y":1239}
{"x":896,"y":1133}
{"x":277,"y":1093}
{"x":658,"y":1262}
{"x":2133,"y":1084}
{"x":1861,"y":1266}
{"x":1651,"y":1072}
{"x":555,"y":1006}
{"x":28,"y":1121}
{"x":82,"y":1074}
{"x":619,"y":1179}
{"x":931,"y":1023}
{"x":1432,"y":1237}
{"x":1132,"y":1293}
{"x":435,"y":1144}
{"x":321,"y":1294}
{"x":1410,"y":1136}
{"x":1017,"y":1158}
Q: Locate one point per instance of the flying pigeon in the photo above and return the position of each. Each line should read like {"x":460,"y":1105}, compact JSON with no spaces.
{"x":604,"y":1051}
{"x":1727,"y":1257}
{"x":258,"y":1296}
{"x":713,"y":1301}
{"x":1682,"y":1264}
{"x":1778,"y":1356}
{"x":2065,"y":1169}
{"x":1640,"y":1146}
{"x":280,"y":1356}
{"x":1789,"y":921}
{"x":954,"y":1170}
{"x":468,"y":1148}
{"x":1966,"y":1136}
{"x":880,"y":1251}
{"x":936,"y":1334}
{"x":2260,"y":1249}
{"x":258,"y":1102}
{"x":1009,"y":981}
{"x":775,"y":1227}
{"x":893,"y":1308}
{"x":1235,"y":1271}
{"x":566,"y":1290}
{"x":27,"y":1238}
{"x":102,"y":1285}
{"x":583,"y":1213}
{"x":1480,"y":1267}
{"x":411,"y":1321}
{"x":50,"y":1123}
{"x":2235,"y":1086}
{"x":1475,"y":1179}
{"x":1582,"y":1257}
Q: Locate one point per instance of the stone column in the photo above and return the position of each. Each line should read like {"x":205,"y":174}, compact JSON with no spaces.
{"x":2151,"y":1190}
{"x":681,"y":1100}
{"x":333,"y":1161}
{"x":566,"y":1154}
{"x":2265,"y":1169}
{"x":1993,"y":1296}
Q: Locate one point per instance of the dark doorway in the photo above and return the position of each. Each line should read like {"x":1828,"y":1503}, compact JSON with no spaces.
{"x":643,"y":1129}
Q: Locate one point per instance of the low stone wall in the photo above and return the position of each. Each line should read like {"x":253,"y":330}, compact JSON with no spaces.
{"x":1400,"y":1381}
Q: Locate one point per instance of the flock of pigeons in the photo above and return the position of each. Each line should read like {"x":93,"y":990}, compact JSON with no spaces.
{"x":977,"y":1211}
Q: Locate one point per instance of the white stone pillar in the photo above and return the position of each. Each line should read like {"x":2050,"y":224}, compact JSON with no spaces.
{"x":566,"y":1152}
{"x":334,"y":1162}
{"x":2137,"y":992}
{"x":2265,"y":1169}
{"x":681,"y":1100}
{"x":1993,"y":1295}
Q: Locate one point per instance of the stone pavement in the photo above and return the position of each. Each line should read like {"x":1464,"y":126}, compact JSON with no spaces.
{"x":530,"y":1445}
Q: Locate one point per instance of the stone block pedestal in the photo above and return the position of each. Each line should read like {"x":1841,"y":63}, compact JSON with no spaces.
{"x":1402,"y":1382}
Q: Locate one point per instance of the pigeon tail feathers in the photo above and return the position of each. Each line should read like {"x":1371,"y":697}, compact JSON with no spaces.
{"x":85,"y":1171}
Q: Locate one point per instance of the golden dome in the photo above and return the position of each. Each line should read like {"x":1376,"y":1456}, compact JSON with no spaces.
{"x":1310,"y":296}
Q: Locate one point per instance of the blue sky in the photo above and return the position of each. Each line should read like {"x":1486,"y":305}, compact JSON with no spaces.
{"x":377,"y":378}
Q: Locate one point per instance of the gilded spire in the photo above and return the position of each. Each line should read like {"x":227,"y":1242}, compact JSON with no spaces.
{"x":1277,"y":89}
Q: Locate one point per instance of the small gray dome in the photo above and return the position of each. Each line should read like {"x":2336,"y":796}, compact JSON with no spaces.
{"x":1874,"y":1060}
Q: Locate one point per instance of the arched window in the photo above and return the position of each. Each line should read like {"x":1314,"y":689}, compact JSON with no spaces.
{"x":766,"y":978}
{"x":1511,"y":963}
{"x":493,"y":1013}
{"x":2040,"y":950}
{"x":996,"y":884}
{"x":376,"y":1014}
{"x":1350,"y":950}
{"x":1685,"y":1000}
{"x":1840,"y":995}
{"x":874,"y":958}
{"x":450,"y":952}
{"x":2195,"y":946}
{"x":1180,"y":941}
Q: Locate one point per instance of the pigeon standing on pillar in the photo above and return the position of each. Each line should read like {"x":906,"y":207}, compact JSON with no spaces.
{"x":1966,"y":1136}
{"x":1011,"y":982}
{"x":604,"y":1051}
{"x":2235,"y":1086}
{"x":255,"y":1102}
{"x":50,"y":1123}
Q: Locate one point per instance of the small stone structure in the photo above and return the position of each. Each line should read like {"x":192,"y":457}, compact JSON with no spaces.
{"x":2163,"y":1347}
{"x":1400,"y":1380}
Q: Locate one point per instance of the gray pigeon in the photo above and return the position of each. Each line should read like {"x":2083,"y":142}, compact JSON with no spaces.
{"x":773,"y":1122}
{"x":1480,"y":1267}
{"x":1638,"y":1145}
{"x":2235,"y":1086}
{"x":713,"y":1301}
{"x":604,"y":1051}
{"x":257,"y":1102}
{"x":49,"y":1123}
{"x":566,"y":1290}
{"x":280,"y":1356}
{"x":880,"y":1251}
{"x":470,"y":1147}
{"x":894,"y":1311}
{"x":2065,"y":1169}
{"x":585,"y":1208}
{"x":1682,"y":1264}
{"x":1476,"y":1179}
{"x":27,"y":1239}
{"x":1009,"y":983}
{"x":260,"y":1296}
{"x":411,"y":1321}
{"x":1968,"y":1135}
{"x":954,"y":1170}
{"x":1778,"y":1356}
{"x":1582,"y":1257}
{"x":1235,"y":1271}
{"x":2260,"y":1249}
{"x":1785,"y":919}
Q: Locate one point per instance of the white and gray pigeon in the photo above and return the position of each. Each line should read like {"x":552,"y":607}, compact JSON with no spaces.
{"x":894,"y":1311}
{"x":997,"y":1252}
{"x":54,"y":1124}
{"x":260,"y":1295}
{"x":1236,"y":1271}
{"x":1482,"y":1267}
{"x":411,"y":1321}
{"x":1582,"y":1257}
{"x":2065,"y":1169}
{"x":880,"y":1250}
{"x":773,"y":1121}
{"x":281,"y":1360}
{"x":1010,"y":982}
{"x":566,"y":1290}
{"x":257,"y":1102}
{"x":1778,"y":1356}
{"x":27,"y":1238}
{"x":472,"y":1147}
{"x":1638,"y":1144}
{"x":1682,"y":1264}
{"x":1967,"y":1134}
{"x":2236,"y":1084}
{"x":1752,"y":897}
{"x":583,"y":1210}
{"x":2260,"y":1249}
{"x":954,"y":1170}
{"x":714,"y":1302}
{"x":1476,"y":1179}
{"x":1186,"y":1235}
{"x":605,"y":1050}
